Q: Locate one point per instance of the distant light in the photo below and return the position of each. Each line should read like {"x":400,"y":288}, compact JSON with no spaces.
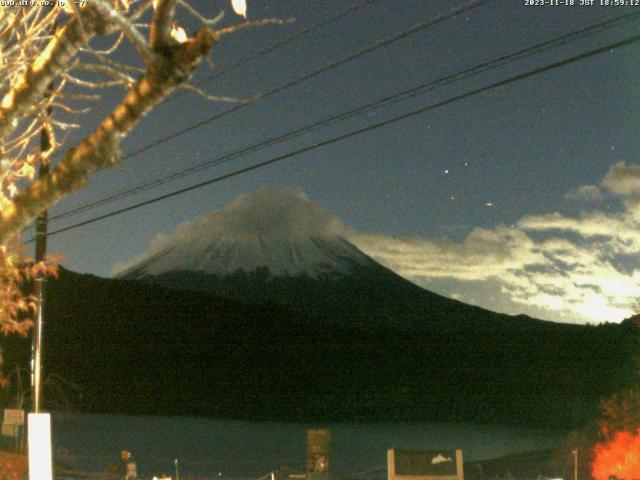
{"x":39,"y":434}
{"x":488,"y":204}
{"x":446,"y":172}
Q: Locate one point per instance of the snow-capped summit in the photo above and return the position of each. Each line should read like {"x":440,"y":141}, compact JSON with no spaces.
{"x":277,"y":229}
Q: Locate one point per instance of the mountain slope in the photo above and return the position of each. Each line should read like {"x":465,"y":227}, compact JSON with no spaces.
{"x":286,"y":256}
{"x":139,"y":348}
{"x":277,"y":246}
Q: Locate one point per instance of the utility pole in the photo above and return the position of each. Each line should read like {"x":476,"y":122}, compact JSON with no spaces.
{"x":40,"y":253}
{"x":39,"y":287}
{"x":39,"y":424}
{"x":575,"y":464}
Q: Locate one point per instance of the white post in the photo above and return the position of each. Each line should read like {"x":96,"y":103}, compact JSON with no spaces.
{"x":39,"y":425}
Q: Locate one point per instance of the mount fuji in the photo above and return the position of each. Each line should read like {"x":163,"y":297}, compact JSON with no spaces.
{"x":278,"y":246}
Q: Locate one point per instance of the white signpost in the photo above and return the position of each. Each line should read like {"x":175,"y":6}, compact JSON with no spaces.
{"x":39,"y":428}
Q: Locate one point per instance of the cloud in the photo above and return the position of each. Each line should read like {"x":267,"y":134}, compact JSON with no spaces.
{"x":483,"y":253}
{"x":555,"y":278}
{"x":586,"y":193}
{"x":623,"y":179}
{"x":583,"y":267}
{"x":270,"y":213}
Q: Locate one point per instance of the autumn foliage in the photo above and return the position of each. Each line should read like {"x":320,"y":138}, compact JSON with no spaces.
{"x":16,"y":273}
{"x":619,"y":456}
{"x":12,"y":466}
{"x":618,"y":451}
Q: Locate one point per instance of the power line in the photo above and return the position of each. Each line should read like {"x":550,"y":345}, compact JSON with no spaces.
{"x":349,"y":57}
{"x":314,"y":73}
{"x":360,"y":131}
{"x":395,"y":97}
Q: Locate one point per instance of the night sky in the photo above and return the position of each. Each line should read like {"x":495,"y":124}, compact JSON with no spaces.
{"x":523,"y":199}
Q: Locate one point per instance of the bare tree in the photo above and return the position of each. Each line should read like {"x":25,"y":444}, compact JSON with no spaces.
{"x":49,"y":69}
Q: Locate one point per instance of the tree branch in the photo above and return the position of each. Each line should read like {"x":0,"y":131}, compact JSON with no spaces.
{"x":163,"y":15}
{"x":101,"y":149}
{"x":54,"y":59}
{"x":135,"y":37}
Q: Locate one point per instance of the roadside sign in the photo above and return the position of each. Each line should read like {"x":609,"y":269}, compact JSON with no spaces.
{"x":424,"y":465}
{"x":13,"y":417}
